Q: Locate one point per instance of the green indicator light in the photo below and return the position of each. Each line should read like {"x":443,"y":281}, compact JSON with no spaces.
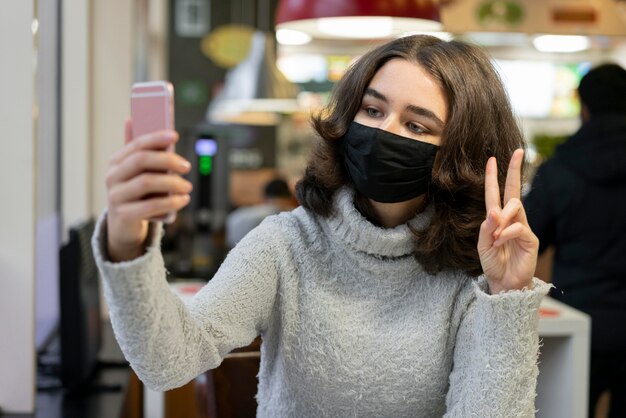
{"x":206,"y":165}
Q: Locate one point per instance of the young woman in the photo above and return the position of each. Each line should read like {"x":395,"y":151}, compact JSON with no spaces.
{"x":401,"y":287}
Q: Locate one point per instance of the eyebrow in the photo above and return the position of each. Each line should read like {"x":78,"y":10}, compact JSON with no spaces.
{"x":418,"y":110}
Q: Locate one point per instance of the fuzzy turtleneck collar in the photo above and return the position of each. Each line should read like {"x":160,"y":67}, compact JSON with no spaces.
{"x":354,"y":230}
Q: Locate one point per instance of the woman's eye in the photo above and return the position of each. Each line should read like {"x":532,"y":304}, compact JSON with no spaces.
{"x":418,"y":129}
{"x":372,"y":112}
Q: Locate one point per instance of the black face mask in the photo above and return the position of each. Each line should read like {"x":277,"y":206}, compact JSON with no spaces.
{"x":385,"y":167}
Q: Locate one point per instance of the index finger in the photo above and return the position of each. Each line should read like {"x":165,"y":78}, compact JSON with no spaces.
{"x":513,"y":185}
{"x":492,"y":189}
{"x":152,"y":141}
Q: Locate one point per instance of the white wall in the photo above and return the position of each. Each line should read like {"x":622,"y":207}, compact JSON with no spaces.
{"x":76,"y":112}
{"x":97,"y":75}
{"x":17,"y":211}
{"x":112,"y":76}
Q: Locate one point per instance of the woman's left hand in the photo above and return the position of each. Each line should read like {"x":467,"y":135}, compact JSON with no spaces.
{"x":506,"y":245}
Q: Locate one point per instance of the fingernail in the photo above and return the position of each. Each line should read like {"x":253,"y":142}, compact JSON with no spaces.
{"x":186,"y":165}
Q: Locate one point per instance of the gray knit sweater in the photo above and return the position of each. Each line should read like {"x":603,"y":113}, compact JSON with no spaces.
{"x":351,"y":324}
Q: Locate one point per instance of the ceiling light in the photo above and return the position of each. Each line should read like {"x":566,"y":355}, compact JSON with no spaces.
{"x":561,"y":43}
{"x":356,"y":27}
{"x":358,"y":19}
{"x":292,"y":37}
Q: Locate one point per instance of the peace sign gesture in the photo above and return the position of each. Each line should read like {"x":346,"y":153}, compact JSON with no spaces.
{"x":506,"y":245}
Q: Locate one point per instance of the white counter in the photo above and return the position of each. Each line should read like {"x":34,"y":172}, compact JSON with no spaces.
{"x":562,"y":387}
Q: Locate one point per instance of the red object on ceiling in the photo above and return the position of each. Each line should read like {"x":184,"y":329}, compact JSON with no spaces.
{"x":290,"y":10}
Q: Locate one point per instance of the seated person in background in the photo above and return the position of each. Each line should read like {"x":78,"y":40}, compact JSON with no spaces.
{"x":277,"y":198}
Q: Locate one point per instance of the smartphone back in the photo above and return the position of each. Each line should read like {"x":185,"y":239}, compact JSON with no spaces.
{"x":152,"y":107}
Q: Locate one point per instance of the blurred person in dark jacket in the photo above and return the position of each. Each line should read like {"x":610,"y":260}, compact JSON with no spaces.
{"x":577,"y":205}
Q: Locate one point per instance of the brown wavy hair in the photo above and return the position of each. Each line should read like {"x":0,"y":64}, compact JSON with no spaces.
{"x":480,"y":125}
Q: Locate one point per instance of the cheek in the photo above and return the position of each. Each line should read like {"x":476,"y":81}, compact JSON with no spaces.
{"x":432,"y":139}
{"x":438,"y":138}
{"x":364,"y":120}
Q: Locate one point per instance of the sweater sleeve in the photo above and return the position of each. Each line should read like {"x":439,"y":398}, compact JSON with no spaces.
{"x":168,"y":343}
{"x":495,"y":356}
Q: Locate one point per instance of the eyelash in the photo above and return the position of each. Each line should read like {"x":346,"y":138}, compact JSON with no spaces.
{"x":413,"y":127}
{"x":418,"y":130}
{"x":370,"y":110}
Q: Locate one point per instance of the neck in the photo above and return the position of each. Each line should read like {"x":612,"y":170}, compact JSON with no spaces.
{"x":391,"y":215}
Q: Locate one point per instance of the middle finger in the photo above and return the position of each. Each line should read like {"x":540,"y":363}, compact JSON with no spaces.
{"x":147,"y":161}
{"x":512,"y":188}
{"x":156,"y":141}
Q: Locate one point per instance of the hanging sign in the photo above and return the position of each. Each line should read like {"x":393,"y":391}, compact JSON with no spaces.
{"x":571,"y":17}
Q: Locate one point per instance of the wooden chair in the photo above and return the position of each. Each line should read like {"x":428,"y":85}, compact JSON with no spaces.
{"x":229,"y":390}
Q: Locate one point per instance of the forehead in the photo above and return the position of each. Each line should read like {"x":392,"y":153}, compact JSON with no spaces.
{"x":405,"y":83}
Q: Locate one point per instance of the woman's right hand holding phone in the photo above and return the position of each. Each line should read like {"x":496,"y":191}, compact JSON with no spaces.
{"x":143,"y":182}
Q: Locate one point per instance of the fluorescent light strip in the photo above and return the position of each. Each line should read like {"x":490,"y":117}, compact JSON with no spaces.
{"x":561,"y":43}
{"x":292,"y":37}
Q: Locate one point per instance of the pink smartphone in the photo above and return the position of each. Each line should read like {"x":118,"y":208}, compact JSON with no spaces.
{"x":152,"y":109}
